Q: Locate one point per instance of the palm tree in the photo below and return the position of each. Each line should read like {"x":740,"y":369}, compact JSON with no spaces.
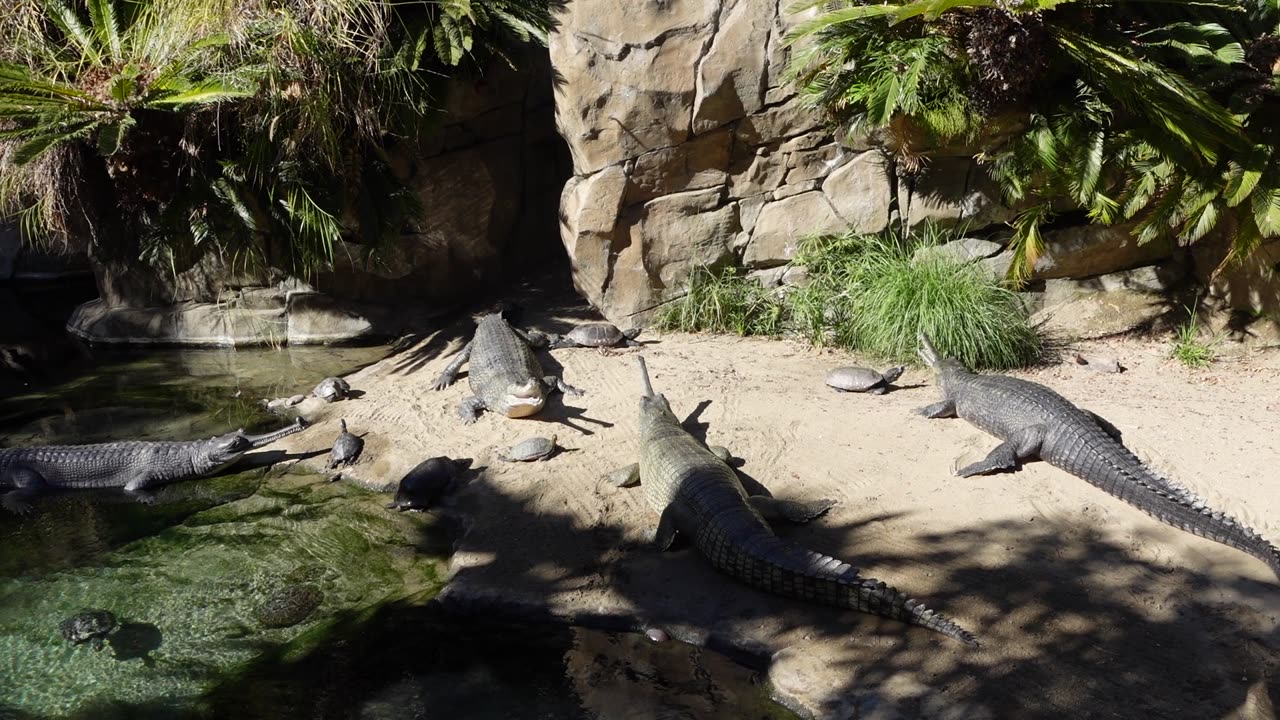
{"x":160,"y":130}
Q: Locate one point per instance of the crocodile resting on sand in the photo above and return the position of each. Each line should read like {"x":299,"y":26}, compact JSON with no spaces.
{"x":134,"y":466}
{"x":699,"y":496}
{"x":1034,"y":421}
{"x":503,"y":373}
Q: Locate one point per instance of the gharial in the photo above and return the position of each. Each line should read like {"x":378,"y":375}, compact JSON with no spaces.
{"x":697,"y":495}
{"x":135,"y":466}
{"x":1034,"y":421}
{"x":503,"y":373}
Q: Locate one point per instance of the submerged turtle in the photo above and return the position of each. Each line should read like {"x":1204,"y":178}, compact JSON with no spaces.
{"x":346,"y":449}
{"x":331,"y":389}
{"x":426,"y":482}
{"x":860,"y":379}
{"x":289,"y":605}
{"x":538,"y":448}
{"x":90,"y":626}
{"x":598,"y":335}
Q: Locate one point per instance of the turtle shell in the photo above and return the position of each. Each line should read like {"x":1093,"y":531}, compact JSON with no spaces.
{"x":332,"y":388}
{"x":88,"y":626}
{"x":346,"y":448}
{"x":537,"y":448}
{"x":854,"y":379}
{"x":597,"y":335}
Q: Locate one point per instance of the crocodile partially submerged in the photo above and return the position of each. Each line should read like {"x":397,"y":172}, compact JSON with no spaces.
{"x":135,"y":466}
{"x":1034,"y":421}
{"x":503,"y":373}
{"x":699,"y":496}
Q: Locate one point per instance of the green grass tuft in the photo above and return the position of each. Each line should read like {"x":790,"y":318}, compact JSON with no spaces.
{"x":724,"y":302}
{"x":1188,"y":348}
{"x":870,"y":293}
{"x":876,"y":295}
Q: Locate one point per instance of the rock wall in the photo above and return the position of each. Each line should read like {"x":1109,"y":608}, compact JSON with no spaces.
{"x":690,"y":148}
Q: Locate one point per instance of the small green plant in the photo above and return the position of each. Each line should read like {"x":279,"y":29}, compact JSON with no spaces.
{"x":872,"y":293}
{"x":1188,"y":348}
{"x":875,"y":293}
{"x":724,"y":302}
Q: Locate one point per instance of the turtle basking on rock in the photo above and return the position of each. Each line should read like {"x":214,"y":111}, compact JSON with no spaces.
{"x":332,"y":389}
{"x":597,"y":335}
{"x":346,"y":449}
{"x":531,"y":450}
{"x":91,"y":626}
{"x":860,"y":379}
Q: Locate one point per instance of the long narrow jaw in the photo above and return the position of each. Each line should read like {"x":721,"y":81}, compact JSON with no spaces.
{"x":644,"y":376}
{"x":928,"y":353}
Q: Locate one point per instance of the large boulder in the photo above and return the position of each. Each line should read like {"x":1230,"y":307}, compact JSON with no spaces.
{"x":1089,"y":250}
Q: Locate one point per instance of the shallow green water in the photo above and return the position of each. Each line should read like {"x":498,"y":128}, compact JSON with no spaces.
{"x":187,"y":577}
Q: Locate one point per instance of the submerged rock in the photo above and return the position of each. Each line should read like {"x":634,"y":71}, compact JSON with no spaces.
{"x":289,"y":606}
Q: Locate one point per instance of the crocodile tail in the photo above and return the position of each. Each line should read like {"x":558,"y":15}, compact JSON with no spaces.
{"x":774,"y":565}
{"x":1174,"y":504}
{"x":1191,"y":513}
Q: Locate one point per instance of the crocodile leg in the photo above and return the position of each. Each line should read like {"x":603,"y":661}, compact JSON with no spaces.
{"x":137,"y":489}
{"x":1022,"y":445}
{"x":554,"y":383}
{"x":26,"y":485}
{"x":721,"y":452}
{"x":451,"y":371}
{"x":943,"y":409}
{"x":664,"y":536}
{"x":775,"y":510}
{"x":535,"y":338}
{"x":624,"y":477}
{"x":469,"y":410}
{"x":1107,"y":427}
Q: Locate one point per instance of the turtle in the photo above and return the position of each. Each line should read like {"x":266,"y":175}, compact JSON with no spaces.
{"x":91,"y":626}
{"x":538,"y":448}
{"x":860,"y":379}
{"x":332,"y":389}
{"x":289,"y":605}
{"x":597,"y":335}
{"x":426,"y":482}
{"x":346,"y":449}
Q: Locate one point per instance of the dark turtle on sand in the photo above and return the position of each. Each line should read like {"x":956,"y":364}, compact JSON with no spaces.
{"x":346,"y":449}
{"x":533,"y":449}
{"x":422,"y":486}
{"x":597,"y":335}
{"x":289,"y":606}
{"x":331,"y":389}
{"x":860,"y":379}
{"x":91,"y":626}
